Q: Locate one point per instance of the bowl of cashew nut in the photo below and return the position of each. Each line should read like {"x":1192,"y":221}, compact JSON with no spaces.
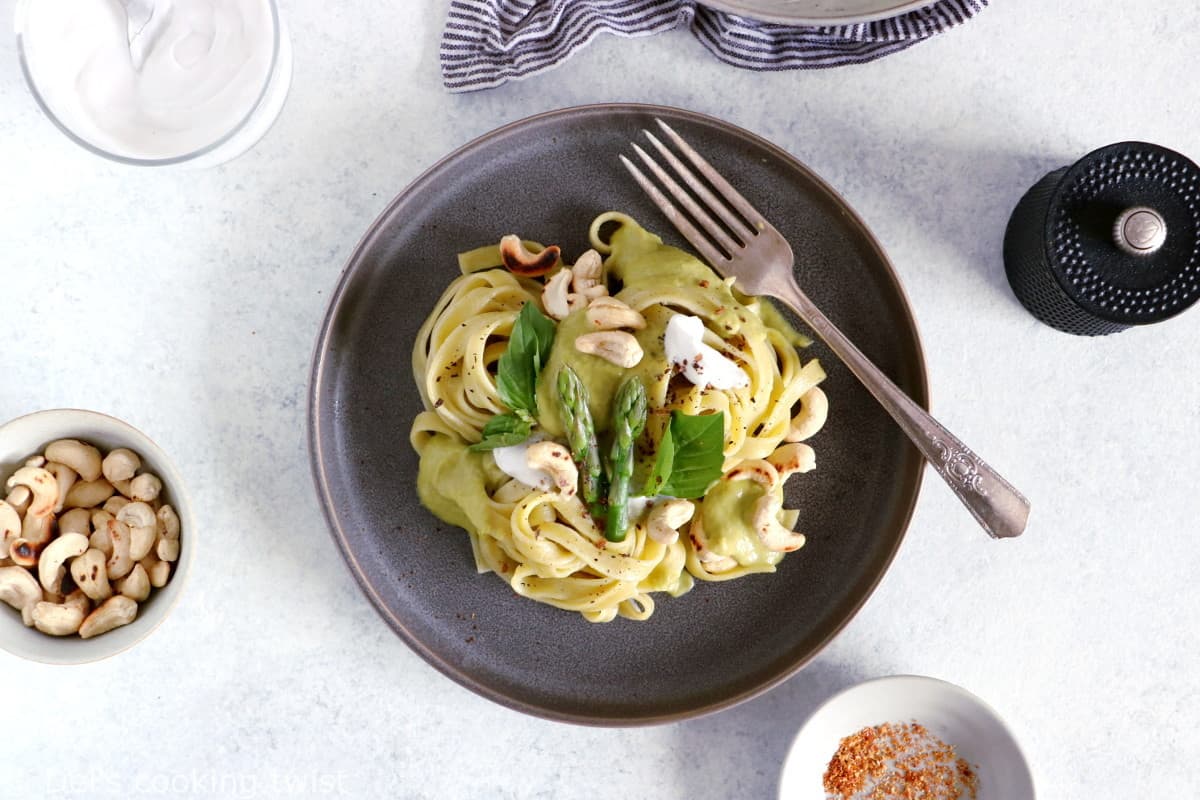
{"x":95,"y":536}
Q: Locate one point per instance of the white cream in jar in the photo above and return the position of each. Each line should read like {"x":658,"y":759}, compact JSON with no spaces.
{"x":203,"y":68}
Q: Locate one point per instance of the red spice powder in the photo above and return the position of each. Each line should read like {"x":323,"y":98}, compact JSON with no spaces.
{"x":898,"y":761}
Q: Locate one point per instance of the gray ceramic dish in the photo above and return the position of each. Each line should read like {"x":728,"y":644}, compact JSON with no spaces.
{"x":819,"y":12}
{"x":546,"y":177}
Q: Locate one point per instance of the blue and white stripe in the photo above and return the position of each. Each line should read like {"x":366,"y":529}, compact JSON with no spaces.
{"x":489,"y":42}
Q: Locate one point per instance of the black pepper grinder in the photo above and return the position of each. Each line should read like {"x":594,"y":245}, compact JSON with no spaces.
{"x":1109,"y":242}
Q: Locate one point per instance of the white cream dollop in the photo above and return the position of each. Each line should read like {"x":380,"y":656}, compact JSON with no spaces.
{"x":696,"y":361}
{"x":513,"y":462}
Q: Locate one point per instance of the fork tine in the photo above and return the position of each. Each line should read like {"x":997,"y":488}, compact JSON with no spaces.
{"x":731,"y":220}
{"x":677,"y":218}
{"x":731,"y":195}
{"x":695,"y":209}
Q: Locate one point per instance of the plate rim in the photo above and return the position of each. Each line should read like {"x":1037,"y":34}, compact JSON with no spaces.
{"x":315,"y":431}
{"x":746,"y":9}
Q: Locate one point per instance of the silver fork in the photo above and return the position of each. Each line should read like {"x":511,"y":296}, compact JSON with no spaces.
{"x":761,"y":261}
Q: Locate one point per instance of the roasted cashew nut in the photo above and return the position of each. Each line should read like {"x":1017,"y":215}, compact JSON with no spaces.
{"x":65,"y":477}
{"x":667,"y":517}
{"x":792,"y":458}
{"x":160,"y":571}
{"x":77,"y":520}
{"x":135,"y":585}
{"x":615,"y":347}
{"x":520,"y":261}
{"x":10,"y":527}
{"x":119,"y":563}
{"x":120,"y":465}
{"x":143,"y":528}
{"x":114,"y":504}
{"x":555,"y":297}
{"x":90,"y":575}
{"x":78,"y":599}
{"x":714,"y":563}
{"x":114,"y":612}
{"x":814,"y":409}
{"x":548,"y":456}
{"x":50,"y":563}
{"x":83,"y":458}
{"x":168,"y":522}
{"x":19,"y":498}
{"x":773,"y":535}
{"x":61,"y":619}
{"x":167,"y":550}
{"x":609,"y":313}
{"x":588,"y":272}
{"x":100,"y":539}
{"x":160,"y":574}
{"x":35,"y":529}
{"x":19,"y":588}
{"x":87,"y":494}
{"x":145,"y":488}
{"x":42,"y":486}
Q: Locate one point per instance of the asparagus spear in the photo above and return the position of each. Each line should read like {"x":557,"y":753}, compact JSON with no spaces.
{"x":629,"y":418}
{"x":581,"y":435}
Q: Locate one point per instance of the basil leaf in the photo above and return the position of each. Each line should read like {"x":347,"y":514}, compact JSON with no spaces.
{"x":664,"y":460}
{"x":696,"y":454}
{"x":503,"y":430}
{"x":518,"y":370}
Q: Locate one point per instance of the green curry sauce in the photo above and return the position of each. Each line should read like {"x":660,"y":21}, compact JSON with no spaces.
{"x":728,"y":510}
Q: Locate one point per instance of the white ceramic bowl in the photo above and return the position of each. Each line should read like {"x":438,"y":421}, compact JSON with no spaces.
{"x":954,"y":715}
{"x":25,"y":436}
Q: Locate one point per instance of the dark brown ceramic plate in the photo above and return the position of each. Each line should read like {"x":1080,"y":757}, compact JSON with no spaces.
{"x":546,"y":177}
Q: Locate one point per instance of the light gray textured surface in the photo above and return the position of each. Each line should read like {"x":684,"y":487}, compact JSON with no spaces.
{"x":187,"y":303}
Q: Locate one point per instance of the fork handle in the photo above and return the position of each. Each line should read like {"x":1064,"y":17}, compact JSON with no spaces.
{"x":998,"y":507}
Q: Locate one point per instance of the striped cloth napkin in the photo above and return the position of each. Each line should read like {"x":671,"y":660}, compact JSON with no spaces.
{"x":489,"y":42}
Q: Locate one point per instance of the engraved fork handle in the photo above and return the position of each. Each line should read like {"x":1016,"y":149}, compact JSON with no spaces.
{"x":998,"y":507}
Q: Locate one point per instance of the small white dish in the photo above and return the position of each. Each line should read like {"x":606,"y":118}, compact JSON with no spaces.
{"x":949,"y":712}
{"x":27,"y":435}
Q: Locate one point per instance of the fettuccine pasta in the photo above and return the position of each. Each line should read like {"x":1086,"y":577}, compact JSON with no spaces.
{"x":574,"y":443}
